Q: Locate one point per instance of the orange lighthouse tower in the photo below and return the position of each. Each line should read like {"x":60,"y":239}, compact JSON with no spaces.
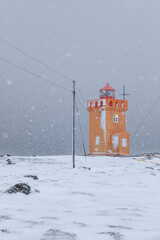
{"x":107,"y":124}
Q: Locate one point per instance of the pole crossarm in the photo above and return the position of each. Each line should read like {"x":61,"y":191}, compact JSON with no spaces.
{"x":124,"y":94}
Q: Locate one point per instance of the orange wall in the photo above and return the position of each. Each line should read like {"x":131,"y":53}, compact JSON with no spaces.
{"x":95,"y":128}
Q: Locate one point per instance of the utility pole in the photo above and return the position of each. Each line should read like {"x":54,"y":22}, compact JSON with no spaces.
{"x":73,"y":122}
{"x":124,"y":93}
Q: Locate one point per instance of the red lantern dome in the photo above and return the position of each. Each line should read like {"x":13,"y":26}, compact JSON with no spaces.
{"x":107,"y":92}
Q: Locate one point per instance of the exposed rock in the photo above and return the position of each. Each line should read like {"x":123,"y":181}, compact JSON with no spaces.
{"x":4,"y":217}
{"x":83,"y":193}
{"x":115,"y":235}
{"x":9,"y":162}
{"x":31,"y":176}
{"x":80,"y":224}
{"x":20,"y":187}
{"x":147,"y":155}
{"x":121,"y":227}
{"x":4,"y":230}
{"x":37,"y":191}
{"x":87,"y":168}
{"x":54,"y":234}
{"x":150,"y":168}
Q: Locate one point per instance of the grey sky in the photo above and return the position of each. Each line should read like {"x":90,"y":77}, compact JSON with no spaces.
{"x":91,"y":41}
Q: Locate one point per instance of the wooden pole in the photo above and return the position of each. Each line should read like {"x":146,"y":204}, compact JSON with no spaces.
{"x":73,"y":126}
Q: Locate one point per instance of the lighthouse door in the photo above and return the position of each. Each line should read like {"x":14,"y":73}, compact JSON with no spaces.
{"x":115,"y":143}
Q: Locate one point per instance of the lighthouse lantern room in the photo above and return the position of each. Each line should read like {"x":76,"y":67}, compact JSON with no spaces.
{"x":107,"y":124}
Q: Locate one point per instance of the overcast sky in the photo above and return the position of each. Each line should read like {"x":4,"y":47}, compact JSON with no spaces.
{"x":91,"y":41}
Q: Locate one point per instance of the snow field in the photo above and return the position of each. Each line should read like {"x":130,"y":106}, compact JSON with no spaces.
{"x":119,"y":198}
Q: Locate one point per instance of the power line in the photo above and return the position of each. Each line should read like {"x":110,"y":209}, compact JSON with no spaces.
{"x":80,"y":127}
{"x":38,"y":76}
{"x":33,"y":74}
{"x":41,"y":63}
{"x":36,"y":60}
{"x":141,"y":123}
{"x":80,"y":93}
{"x":81,"y":105}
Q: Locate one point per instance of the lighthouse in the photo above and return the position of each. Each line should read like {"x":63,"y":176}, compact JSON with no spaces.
{"x":107,"y":124}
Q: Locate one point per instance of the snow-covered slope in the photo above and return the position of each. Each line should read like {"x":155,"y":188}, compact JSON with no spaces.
{"x":118,"y":198}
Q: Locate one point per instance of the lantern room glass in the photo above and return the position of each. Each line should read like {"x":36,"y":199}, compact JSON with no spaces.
{"x":107,"y":93}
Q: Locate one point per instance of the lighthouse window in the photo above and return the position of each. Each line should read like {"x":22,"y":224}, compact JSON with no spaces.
{"x":115,"y":118}
{"x":110,"y":93}
{"x":106,"y":93}
{"x":101,"y":94}
{"x":97,"y":140}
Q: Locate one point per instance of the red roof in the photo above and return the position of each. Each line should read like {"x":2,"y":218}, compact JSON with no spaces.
{"x":107,"y":87}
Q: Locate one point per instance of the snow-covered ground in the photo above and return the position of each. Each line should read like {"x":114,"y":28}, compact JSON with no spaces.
{"x":118,"y":198}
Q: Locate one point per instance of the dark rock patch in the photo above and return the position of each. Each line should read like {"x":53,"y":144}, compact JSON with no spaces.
{"x":83,"y":193}
{"x":150,"y":168}
{"x":9,"y":162}
{"x":115,"y":235}
{"x":54,"y":234}
{"x":50,"y":218}
{"x":80,"y":224}
{"x":87,"y":168}
{"x":34,"y":222}
{"x":31,"y":176}
{"x":4,"y":217}
{"x":4,"y":231}
{"x":148,"y":156}
{"x":37,"y":191}
{"x":121,"y":227}
{"x":21,"y":188}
